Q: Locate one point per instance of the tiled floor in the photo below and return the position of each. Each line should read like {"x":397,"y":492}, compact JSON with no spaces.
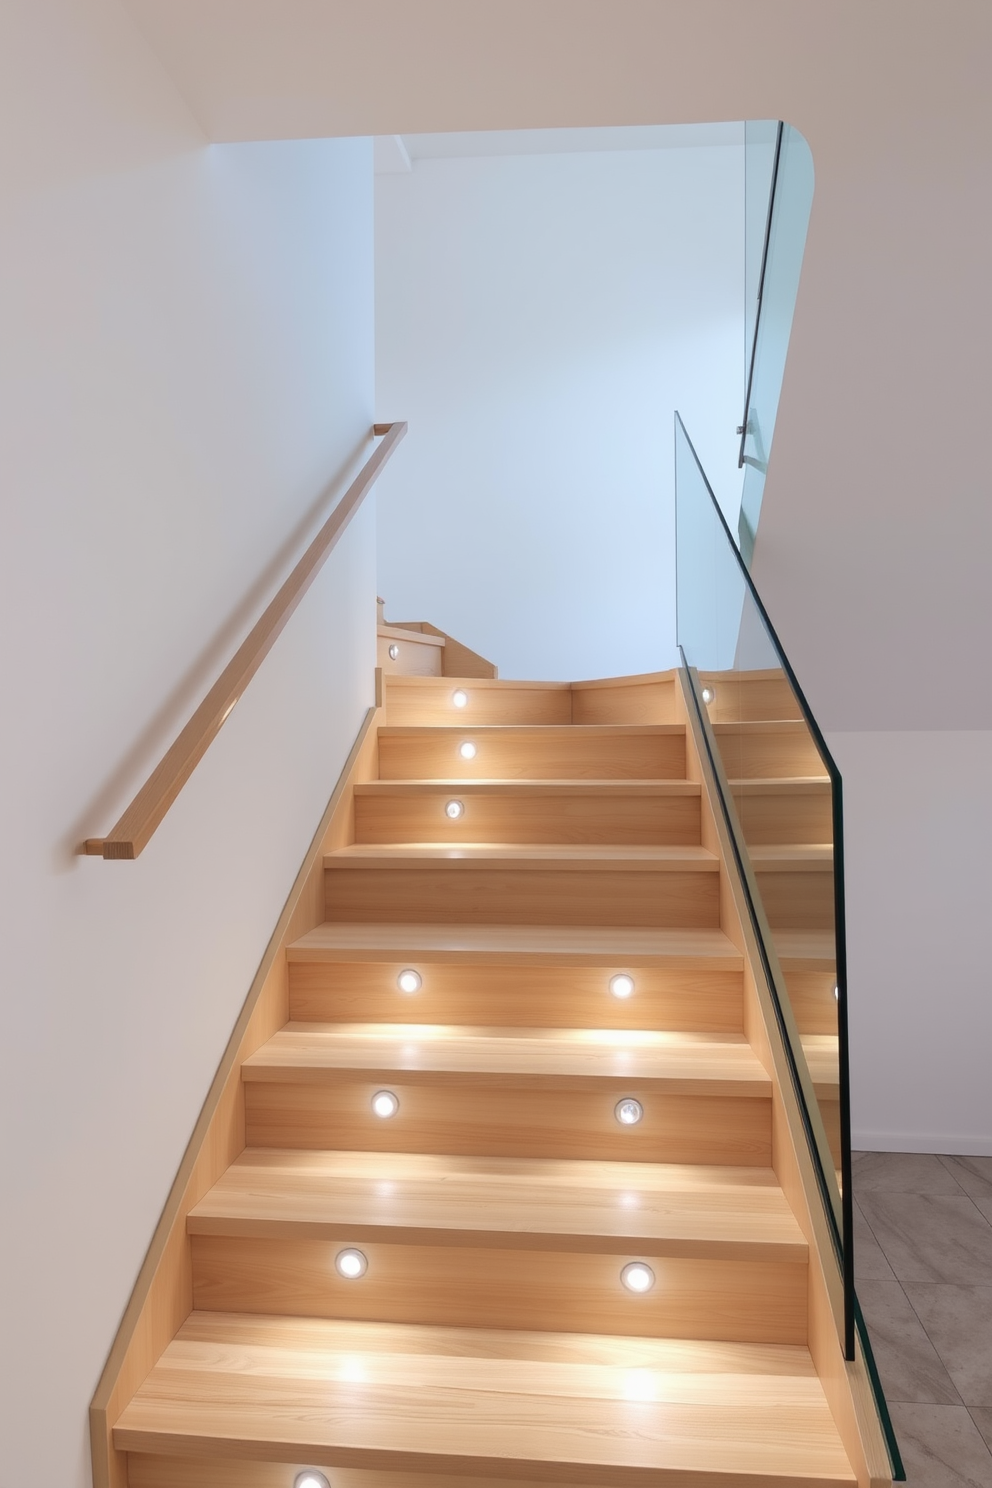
{"x":923,"y":1257}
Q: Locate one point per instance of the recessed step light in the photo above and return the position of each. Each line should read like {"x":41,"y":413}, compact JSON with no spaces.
{"x":621,"y":985}
{"x":459,"y":698}
{"x":310,"y":1479}
{"x":467,"y":750}
{"x":454,"y":810}
{"x":351,"y":1264}
{"x":385,"y":1103}
{"x":628,"y":1111}
{"x":709,"y":693}
{"x":637,"y":1277}
{"x":409,"y":980}
{"x":394,"y":651}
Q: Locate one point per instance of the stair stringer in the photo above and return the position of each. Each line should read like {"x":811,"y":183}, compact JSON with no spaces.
{"x":162,"y":1298}
{"x":846,"y":1384}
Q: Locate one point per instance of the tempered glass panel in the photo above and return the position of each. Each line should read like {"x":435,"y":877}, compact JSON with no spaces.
{"x":760,"y":137}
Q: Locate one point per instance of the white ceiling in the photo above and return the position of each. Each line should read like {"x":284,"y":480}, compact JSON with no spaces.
{"x":399,"y":153}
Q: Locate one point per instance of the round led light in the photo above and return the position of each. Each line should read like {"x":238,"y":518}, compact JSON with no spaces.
{"x":637,"y":1277}
{"x":459,"y":698}
{"x":709,"y":693}
{"x":409,"y":980}
{"x":385,"y":1103}
{"x":394,"y":651}
{"x":454,"y":810}
{"x":622,"y":985}
{"x":310,"y":1479}
{"x":467,"y":750}
{"x":628,"y":1111}
{"x":351,"y":1264}
{"x":836,"y":993}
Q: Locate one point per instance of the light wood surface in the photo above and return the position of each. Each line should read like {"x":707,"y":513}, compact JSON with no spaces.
{"x":132,"y":833}
{"x":768,"y":751}
{"x":458,"y":659}
{"x":428,"y":701}
{"x":416,"y":655}
{"x":750,"y":696}
{"x":162,"y":1296}
{"x":690,"y":999}
{"x":551,"y":752}
{"x":646,"y":812}
{"x":535,"y":1204}
{"x":784,"y":811}
{"x":686,"y":1413}
{"x":649,"y":699}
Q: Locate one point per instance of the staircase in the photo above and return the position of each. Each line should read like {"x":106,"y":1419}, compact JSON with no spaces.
{"x":507,"y":1201}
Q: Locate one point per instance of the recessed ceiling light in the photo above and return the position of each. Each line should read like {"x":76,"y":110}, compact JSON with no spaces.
{"x":351,"y":1264}
{"x":459,"y":698}
{"x":454,"y":810}
{"x":622,"y":985}
{"x":628,"y":1111}
{"x":709,"y":693}
{"x":385,"y":1103}
{"x":637,"y":1277}
{"x":310,"y":1479}
{"x":409,"y":980}
{"x":467,"y":750}
{"x":394,"y":651}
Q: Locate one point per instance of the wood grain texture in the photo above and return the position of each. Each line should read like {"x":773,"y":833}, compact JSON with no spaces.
{"x":132,"y":833}
{"x":768,"y":751}
{"x":750,"y":696}
{"x":428,"y":701}
{"x":478,"y":1287}
{"x":687,"y":1000}
{"x":784,"y":811}
{"x":162,"y":1296}
{"x":648,"y":699}
{"x":458,"y":659}
{"x":525,"y":1120}
{"x":417,"y":656}
{"x":529,"y":1204}
{"x":523,"y":752}
{"x":549,"y":1408}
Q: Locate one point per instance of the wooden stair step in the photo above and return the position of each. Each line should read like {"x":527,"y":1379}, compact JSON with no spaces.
{"x":523,"y":1093}
{"x":796,"y":881}
{"x":771,"y":749}
{"x":527,"y":752}
{"x":431,"y":700}
{"x":691,"y":1064}
{"x":784,"y":810}
{"x":515,"y":811}
{"x":531,"y":1204}
{"x":524,"y":884}
{"x":630,"y":1413}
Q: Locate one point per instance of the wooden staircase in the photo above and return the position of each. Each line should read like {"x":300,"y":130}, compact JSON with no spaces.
{"x":490,"y":1338}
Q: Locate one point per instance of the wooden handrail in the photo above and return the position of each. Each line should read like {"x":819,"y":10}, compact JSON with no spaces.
{"x":132,"y":832}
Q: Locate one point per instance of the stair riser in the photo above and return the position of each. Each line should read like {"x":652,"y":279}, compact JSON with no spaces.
{"x":147,"y":1471}
{"x":434,"y":755}
{"x":768,"y":756}
{"x":750,"y":699}
{"x":494,"y":896}
{"x":811,"y":994}
{"x":471,"y":1120}
{"x":640,"y":820}
{"x":430,"y":703}
{"x":742,"y":1301}
{"x":518,"y":996}
{"x":798,"y":901}
{"x":635,"y":702}
{"x":785,"y":817}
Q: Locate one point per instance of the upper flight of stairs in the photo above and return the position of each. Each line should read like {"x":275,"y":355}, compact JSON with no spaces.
{"x":490,"y":1340}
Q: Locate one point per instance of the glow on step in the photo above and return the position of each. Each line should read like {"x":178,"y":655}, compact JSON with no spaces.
{"x":637,"y":1277}
{"x":454,"y":810}
{"x":409,"y":980}
{"x":459,"y":698}
{"x":385,"y":1103}
{"x":310,"y":1479}
{"x":351,"y":1264}
{"x":622,"y":985}
{"x":628,"y":1112}
{"x":467,"y":750}
{"x":394,"y":652}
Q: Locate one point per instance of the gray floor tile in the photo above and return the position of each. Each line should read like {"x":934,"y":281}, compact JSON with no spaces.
{"x":973,"y":1173}
{"x":869,"y":1262}
{"x":903,"y":1172}
{"x":907,"y":1361}
{"x":958,"y":1320}
{"x":983,"y":1420}
{"x":941,"y":1447}
{"x":931,"y":1237}
{"x":985,"y":1205}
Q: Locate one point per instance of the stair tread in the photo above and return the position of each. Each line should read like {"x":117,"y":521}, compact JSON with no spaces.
{"x":796,"y":785}
{"x":549,"y":1406}
{"x":796,"y":857}
{"x":420,"y":1052}
{"x":501,"y":786}
{"x":535,"y":856}
{"x":524,"y":944}
{"x":520,"y":730}
{"x":616,"y":1207}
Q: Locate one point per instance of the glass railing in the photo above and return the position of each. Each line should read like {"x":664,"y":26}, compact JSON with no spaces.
{"x":781,"y":796}
{"x":778,"y":195}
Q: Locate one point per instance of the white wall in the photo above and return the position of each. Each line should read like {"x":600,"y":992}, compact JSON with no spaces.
{"x":538,"y":320}
{"x":186,"y":362}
